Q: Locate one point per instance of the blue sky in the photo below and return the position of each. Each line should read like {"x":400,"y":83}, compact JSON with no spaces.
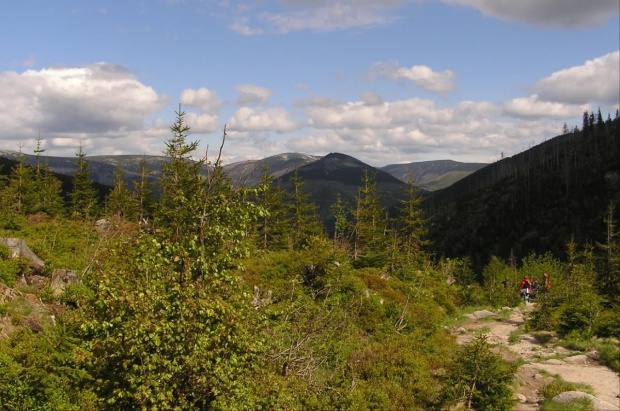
{"x":387,"y":81}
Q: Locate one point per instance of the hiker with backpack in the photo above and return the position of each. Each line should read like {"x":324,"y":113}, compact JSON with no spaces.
{"x":526,"y":289}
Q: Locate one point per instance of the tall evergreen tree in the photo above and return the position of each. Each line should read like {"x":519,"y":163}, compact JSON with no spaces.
{"x":370,"y":224}
{"x":143,"y":192}
{"x":411,"y":223}
{"x":304,"y":220}
{"x":120,"y":201}
{"x":271,"y":226}
{"x":84,"y":201}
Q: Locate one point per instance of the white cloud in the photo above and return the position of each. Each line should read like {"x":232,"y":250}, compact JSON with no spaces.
{"x":250,"y":94}
{"x":326,"y":16}
{"x":271,"y":119}
{"x":422,"y":76}
{"x":555,"y":13}
{"x":532,"y":107}
{"x":242,"y":27}
{"x":202,"y":123}
{"x":207,"y":100}
{"x":99,"y":100}
{"x":371,"y":98}
{"x":317,"y":101}
{"x":597,"y":81}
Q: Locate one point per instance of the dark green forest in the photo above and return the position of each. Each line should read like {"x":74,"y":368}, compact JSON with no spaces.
{"x":196,"y":294}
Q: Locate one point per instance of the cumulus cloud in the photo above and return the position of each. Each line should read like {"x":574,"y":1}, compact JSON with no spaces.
{"x":597,"y":80}
{"x":203,"y":98}
{"x":548,"y":13}
{"x":100,"y":99}
{"x":422,"y":76}
{"x":533,"y":107}
{"x":271,"y":119}
{"x":250,"y":94}
{"x":371,"y":98}
{"x":202,"y":123}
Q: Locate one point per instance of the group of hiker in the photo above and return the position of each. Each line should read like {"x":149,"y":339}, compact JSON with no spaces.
{"x":530,"y":289}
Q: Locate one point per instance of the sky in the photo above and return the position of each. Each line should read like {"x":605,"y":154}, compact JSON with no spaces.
{"x":385,"y":81}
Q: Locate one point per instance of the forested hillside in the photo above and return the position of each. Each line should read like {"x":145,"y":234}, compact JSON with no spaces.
{"x":198,"y":294}
{"x":535,"y":201}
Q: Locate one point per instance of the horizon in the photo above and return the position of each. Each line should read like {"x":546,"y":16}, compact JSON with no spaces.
{"x":386,"y":82}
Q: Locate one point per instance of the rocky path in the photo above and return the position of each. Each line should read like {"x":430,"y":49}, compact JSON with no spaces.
{"x":573,"y":367}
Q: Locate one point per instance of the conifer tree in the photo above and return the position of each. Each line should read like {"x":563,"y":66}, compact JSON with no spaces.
{"x":412,"y":225}
{"x":271,"y":226}
{"x":84,"y":201}
{"x":48,"y":187}
{"x":22,"y":188}
{"x":143,"y":192}
{"x":340,"y":212}
{"x":119,"y":201}
{"x":304,"y":220}
{"x":370,"y":224}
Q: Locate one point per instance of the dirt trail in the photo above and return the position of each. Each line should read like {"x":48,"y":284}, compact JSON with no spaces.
{"x":574,"y":368}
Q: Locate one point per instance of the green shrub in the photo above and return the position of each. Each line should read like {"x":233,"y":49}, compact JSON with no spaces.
{"x":480,"y":378}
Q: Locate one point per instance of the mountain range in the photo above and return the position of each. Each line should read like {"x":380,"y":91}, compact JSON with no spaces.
{"x":429,"y":175}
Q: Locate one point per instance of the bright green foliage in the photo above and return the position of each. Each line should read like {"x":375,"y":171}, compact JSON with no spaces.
{"x":170,"y":326}
{"x":40,"y":372}
{"x":501,"y":284}
{"x":48,"y":187}
{"x":304,"y":220}
{"x":84,"y":201}
{"x":480,"y":378}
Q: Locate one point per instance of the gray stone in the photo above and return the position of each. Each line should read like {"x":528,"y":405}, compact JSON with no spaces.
{"x":593,"y":355}
{"x":60,"y":279}
{"x":520,"y":397}
{"x":483,"y":314}
{"x":506,"y":308}
{"x":553,"y":362}
{"x":576,"y":359}
{"x":470,"y":316}
{"x":597,"y":404}
{"x":18,"y":248}
{"x":461,"y":330}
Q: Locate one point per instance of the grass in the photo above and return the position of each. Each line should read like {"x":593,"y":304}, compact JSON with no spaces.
{"x":543,"y":337}
{"x":608,"y":349}
{"x":558,"y":386}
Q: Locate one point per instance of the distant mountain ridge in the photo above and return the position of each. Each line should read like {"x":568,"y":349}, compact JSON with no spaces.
{"x":428,"y":175}
{"x":433,"y":175}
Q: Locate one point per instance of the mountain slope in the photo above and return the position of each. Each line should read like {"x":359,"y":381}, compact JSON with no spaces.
{"x":535,"y":201}
{"x":249,"y":172}
{"x":342,"y":174}
{"x":432,"y":175}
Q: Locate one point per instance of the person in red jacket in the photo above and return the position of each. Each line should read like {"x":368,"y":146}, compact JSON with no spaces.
{"x":526,"y":289}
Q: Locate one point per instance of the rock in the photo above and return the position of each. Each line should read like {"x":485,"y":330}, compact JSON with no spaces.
{"x":576,"y":359}
{"x":470,"y":316}
{"x":562,"y":351}
{"x":461,"y":330}
{"x":483,"y":314}
{"x":519,"y":380}
{"x":506,"y":309}
{"x":60,"y":279}
{"x":553,"y":362}
{"x":520,"y":397}
{"x":18,"y":248}
{"x":597,"y":404}
{"x":538,"y":376}
{"x":593,"y":355}
{"x":102,"y":225}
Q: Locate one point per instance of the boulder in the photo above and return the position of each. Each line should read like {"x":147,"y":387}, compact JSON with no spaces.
{"x":18,"y":248}
{"x":553,"y":362}
{"x":520,"y":398}
{"x":60,"y":279}
{"x":484,"y":314}
{"x":597,"y":404}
